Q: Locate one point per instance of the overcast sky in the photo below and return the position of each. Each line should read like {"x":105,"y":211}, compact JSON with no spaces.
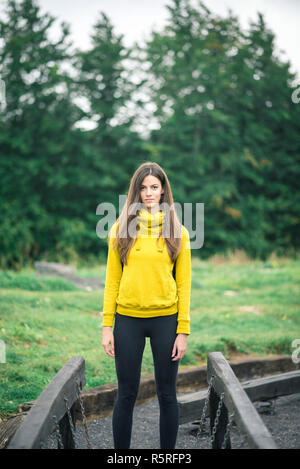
{"x":136,"y":18}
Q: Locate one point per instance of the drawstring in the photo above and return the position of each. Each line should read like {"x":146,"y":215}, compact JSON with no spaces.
{"x":159,"y":248}
{"x":138,"y":244}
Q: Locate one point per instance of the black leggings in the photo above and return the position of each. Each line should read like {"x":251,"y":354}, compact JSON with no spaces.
{"x":129,"y":337}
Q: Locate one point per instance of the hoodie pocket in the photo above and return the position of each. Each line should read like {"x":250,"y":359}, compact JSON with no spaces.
{"x":141,"y":294}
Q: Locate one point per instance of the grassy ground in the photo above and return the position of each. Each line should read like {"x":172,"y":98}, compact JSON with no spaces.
{"x":237,"y":307}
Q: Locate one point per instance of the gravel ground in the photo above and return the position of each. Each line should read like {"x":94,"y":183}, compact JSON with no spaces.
{"x":280,"y":415}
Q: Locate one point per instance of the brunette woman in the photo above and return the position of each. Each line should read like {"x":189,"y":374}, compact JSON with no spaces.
{"x":147,"y":294}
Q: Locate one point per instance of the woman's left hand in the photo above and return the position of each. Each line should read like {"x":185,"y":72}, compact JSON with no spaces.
{"x":180,"y":346}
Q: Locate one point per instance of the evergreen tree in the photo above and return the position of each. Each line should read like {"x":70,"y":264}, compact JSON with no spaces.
{"x":222,"y":98}
{"x":114,"y":150}
{"x":34,"y":130}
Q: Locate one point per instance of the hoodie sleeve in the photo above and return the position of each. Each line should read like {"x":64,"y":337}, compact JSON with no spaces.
{"x":183,"y":281}
{"x":112,"y":280}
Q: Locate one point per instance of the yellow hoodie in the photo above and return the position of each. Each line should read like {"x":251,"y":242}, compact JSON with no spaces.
{"x":146,"y":287}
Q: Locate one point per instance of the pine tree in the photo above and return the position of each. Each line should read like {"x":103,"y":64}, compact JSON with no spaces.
{"x":34,"y":129}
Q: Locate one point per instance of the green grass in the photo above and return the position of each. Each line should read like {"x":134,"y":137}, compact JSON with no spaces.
{"x":237,"y":307}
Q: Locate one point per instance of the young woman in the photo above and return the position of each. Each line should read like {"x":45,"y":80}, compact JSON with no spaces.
{"x":147,"y":294}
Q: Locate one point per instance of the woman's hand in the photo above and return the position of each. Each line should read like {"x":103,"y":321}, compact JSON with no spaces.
{"x":180,"y":346}
{"x":108,"y":340}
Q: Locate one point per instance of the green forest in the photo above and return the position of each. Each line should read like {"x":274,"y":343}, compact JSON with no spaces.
{"x":206,"y":99}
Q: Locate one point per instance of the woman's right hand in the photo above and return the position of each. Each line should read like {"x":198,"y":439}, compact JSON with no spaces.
{"x":108,"y":340}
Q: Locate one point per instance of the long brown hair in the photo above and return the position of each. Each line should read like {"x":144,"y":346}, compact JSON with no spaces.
{"x":125,"y":242}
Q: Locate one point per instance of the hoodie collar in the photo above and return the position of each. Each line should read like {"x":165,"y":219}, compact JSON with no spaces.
{"x":150,"y":225}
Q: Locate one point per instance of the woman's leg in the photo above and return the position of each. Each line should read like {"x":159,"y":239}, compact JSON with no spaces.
{"x":162,"y":338}
{"x":129,"y":346}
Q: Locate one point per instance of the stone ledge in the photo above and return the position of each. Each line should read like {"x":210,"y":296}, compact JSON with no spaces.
{"x":99,"y":401}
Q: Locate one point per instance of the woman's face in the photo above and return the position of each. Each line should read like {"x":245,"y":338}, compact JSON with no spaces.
{"x":150,"y":191}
